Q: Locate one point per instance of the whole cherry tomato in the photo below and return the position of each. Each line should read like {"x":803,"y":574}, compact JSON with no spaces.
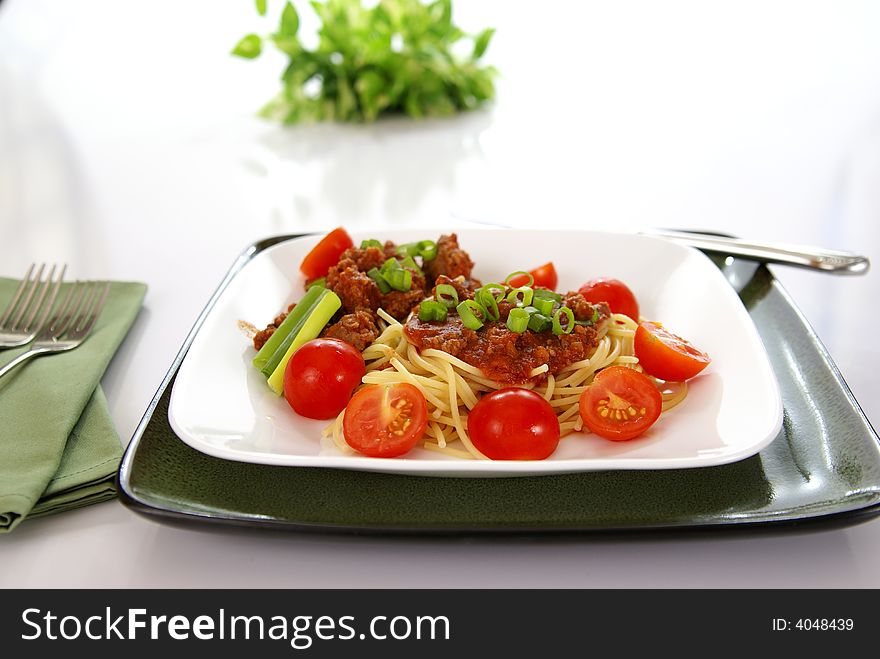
{"x":320,"y":377}
{"x":513,"y":424}
{"x":619,"y":297}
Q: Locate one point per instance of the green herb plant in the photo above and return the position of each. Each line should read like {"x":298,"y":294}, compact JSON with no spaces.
{"x":395,"y":57}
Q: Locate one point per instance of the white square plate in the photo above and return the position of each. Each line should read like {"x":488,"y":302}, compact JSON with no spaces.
{"x":221,"y":405}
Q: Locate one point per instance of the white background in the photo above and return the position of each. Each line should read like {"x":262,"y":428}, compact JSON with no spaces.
{"x":129,"y":147}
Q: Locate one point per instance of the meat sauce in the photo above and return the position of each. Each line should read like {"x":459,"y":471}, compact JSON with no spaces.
{"x":510,"y":357}
{"x":356,"y":323}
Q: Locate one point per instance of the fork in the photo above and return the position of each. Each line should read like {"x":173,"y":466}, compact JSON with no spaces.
{"x":25,"y":314}
{"x":70,"y":325}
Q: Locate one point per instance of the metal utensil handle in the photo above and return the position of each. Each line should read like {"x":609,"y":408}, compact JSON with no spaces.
{"x":844,"y":263}
{"x":21,"y":358}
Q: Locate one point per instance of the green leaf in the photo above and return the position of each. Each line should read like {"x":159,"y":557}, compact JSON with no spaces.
{"x":288,"y":45}
{"x":261,"y":7}
{"x":249,"y":47}
{"x":481,"y":43}
{"x":289,"y":21}
{"x":372,"y":93}
{"x":441,"y":12}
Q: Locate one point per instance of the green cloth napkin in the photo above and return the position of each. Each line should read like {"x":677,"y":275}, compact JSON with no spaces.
{"x":58,"y":447}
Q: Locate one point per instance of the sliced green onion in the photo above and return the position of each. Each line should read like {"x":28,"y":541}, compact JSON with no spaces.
{"x":408,"y":262}
{"x":518,"y":320}
{"x":546,"y":294}
{"x":520,"y":272}
{"x":591,"y":321}
{"x":514,"y":296}
{"x":446,"y":295}
{"x":320,"y":282}
{"x":394,"y":275}
{"x":501,"y":288}
{"x":431,"y":310}
{"x":467,"y":310}
{"x":408,"y":249}
{"x":543,"y":305}
{"x":390,"y":265}
{"x":538,"y":322}
{"x":372,"y":242}
{"x":376,"y":276}
{"x":427,"y":249}
{"x":399,"y":280}
{"x":557,"y":321}
{"x":488,"y":302}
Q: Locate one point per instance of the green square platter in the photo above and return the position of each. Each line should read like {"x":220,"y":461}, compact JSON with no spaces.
{"x":822,"y":469}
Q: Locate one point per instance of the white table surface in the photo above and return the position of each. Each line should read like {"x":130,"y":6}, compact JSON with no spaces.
{"x":130,"y":149}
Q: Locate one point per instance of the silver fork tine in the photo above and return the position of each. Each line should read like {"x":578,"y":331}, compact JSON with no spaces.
{"x":29,"y":323}
{"x":59,"y":322}
{"x":82,"y":311}
{"x":29,"y":295}
{"x":82,"y":306}
{"x":12,"y":303}
{"x":86,"y":323}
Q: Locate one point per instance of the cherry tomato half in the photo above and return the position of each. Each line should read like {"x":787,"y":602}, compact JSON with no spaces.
{"x":619,"y":297}
{"x":513,"y":424}
{"x":545,"y":277}
{"x":620,"y":403}
{"x":320,"y":377}
{"x":385,"y":420}
{"x":667,"y":356}
{"x":325,"y":254}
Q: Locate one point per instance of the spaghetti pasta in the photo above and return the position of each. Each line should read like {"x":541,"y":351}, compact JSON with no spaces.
{"x":453,"y":387}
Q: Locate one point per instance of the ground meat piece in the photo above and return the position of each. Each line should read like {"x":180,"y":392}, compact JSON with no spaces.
{"x":354,"y":288}
{"x":365,"y":259}
{"x":451,"y":260}
{"x":582,"y":309}
{"x":358,"y":328}
{"x":262,"y":336}
{"x":466,"y":288}
{"x":398,"y":304}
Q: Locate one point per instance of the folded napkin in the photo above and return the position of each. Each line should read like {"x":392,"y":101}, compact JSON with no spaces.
{"x":58,"y":447}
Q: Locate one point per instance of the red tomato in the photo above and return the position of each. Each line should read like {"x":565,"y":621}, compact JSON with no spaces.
{"x":513,"y":424}
{"x":620,"y":403}
{"x":385,"y":420}
{"x":320,"y":377}
{"x":325,"y":254}
{"x":545,"y":277}
{"x":667,"y":356}
{"x":619,"y":297}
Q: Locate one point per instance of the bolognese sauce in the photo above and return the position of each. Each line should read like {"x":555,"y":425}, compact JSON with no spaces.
{"x":507,"y":356}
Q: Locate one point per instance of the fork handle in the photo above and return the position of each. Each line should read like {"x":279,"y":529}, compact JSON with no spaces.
{"x":841,"y":263}
{"x":23,"y":357}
